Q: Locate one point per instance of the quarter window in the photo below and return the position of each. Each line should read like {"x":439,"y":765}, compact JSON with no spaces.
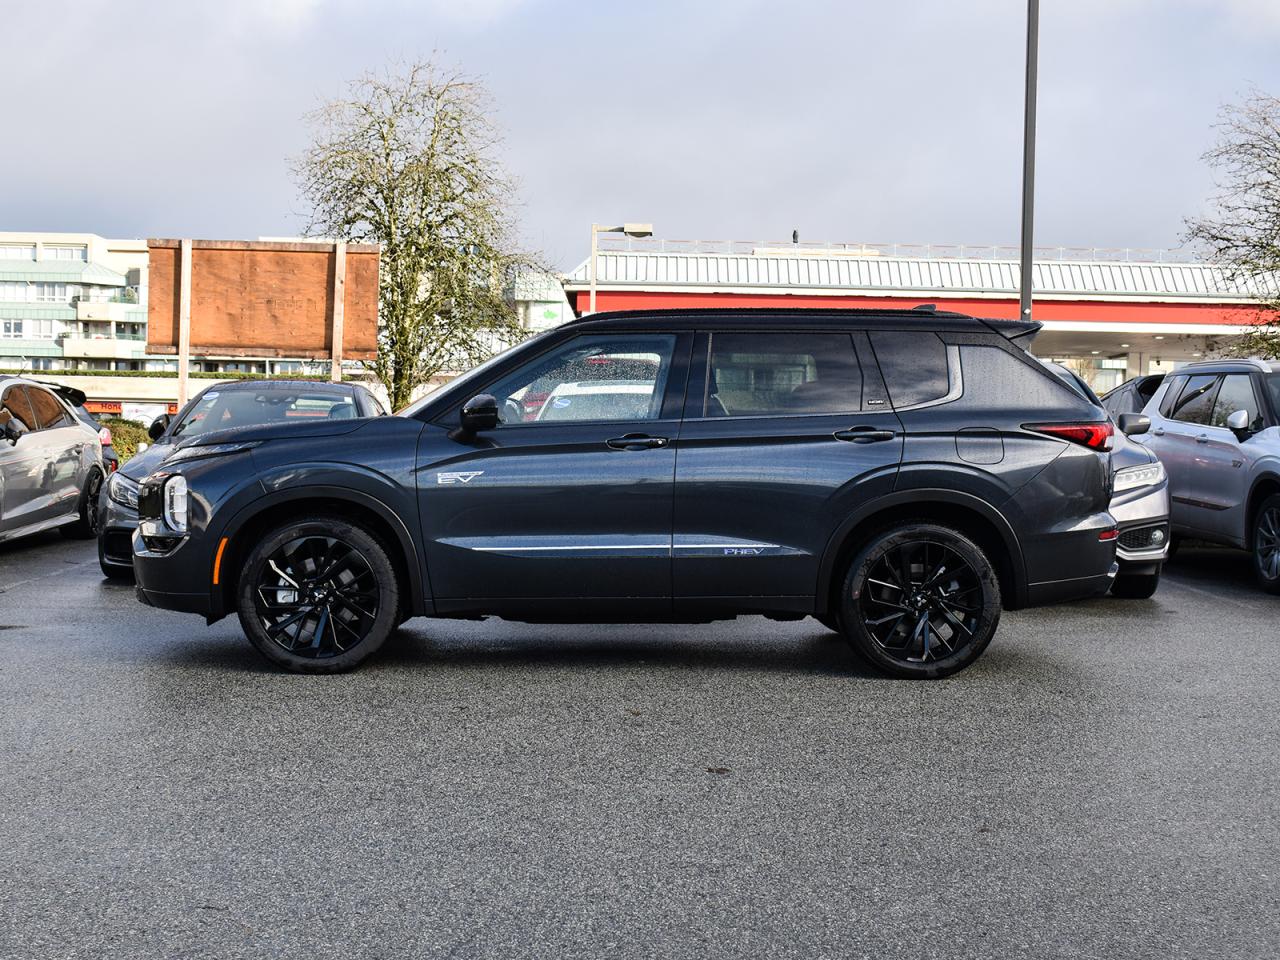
{"x":781,"y":374}
{"x":914,"y":366}
{"x":621,"y":377}
{"x":1195,"y":403}
{"x":1236,"y":393}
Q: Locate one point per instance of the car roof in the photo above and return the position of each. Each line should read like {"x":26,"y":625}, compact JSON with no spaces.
{"x":285,"y":386}
{"x":711,"y":317}
{"x":1229,"y":366}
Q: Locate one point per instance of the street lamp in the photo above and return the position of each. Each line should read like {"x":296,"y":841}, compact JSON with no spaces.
{"x":630,"y":229}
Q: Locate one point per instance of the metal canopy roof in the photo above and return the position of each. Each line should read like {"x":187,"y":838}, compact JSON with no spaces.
{"x":842,"y":273}
{"x":60,"y":271}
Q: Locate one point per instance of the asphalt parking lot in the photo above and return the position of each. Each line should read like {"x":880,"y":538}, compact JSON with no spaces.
{"x":1102,"y":784}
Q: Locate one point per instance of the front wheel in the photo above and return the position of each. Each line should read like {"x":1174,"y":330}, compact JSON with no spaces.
{"x":318,"y":595}
{"x":1135,"y":586}
{"x":1266,"y":544}
{"x":921,"y":601}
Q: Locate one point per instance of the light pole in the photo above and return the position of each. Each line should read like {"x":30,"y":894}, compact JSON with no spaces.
{"x":630,"y":229}
{"x":1029,"y":156}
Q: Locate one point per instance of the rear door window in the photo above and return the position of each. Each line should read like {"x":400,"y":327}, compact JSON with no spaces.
{"x":1195,"y":402}
{"x":781,"y":375}
{"x":15,"y":407}
{"x":49,"y":412}
{"x":914,"y":366}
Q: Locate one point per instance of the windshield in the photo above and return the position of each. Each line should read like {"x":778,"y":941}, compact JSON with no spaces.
{"x":226,"y":409}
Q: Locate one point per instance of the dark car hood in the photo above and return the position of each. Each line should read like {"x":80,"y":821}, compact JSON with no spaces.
{"x":141,"y":464}
{"x":288,"y":430}
{"x":1129,"y":453}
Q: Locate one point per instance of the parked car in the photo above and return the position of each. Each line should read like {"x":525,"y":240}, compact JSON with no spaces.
{"x":220,"y":407}
{"x":1215,"y":425}
{"x":903,"y":475}
{"x":1133,"y":395}
{"x":51,"y":468}
{"x":75,"y":399}
{"x":1139,"y":501}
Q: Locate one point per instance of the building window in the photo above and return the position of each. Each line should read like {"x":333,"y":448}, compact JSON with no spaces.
{"x":17,"y":251}
{"x":51,"y":293}
{"x":65,"y":253}
{"x":15,"y":291}
{"x":11,"y":329}
{"x":41,"y":363}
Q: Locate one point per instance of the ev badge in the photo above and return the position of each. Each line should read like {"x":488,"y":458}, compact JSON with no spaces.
{"x":465,"y":476}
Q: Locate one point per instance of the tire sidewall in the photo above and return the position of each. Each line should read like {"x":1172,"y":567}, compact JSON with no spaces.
{"x":376,"y":556}
{"x":1266,"y":583}
{"x":861,"y":639}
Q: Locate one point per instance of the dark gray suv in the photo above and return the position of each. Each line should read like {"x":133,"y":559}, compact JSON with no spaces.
{"x":901,"y":476}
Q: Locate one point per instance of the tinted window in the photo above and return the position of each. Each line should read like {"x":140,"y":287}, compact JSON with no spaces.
{"x":1236,"y":393}
{"x":49,"y":412}
{"x":226,"y":409}
{"x":15,"y":407}
{"x":914,"y":366}
{"x":1195,"y":403}
{"x":620,"y":377}
{"x":1120,"y":400}
{"x":782,"y":375}
{"x":1170,"y":395}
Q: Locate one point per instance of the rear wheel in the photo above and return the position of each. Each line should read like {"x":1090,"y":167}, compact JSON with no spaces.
{"x":921,"y":601}
{"x":1135,"y":586}
{"x":1266,"y":544}
{"x":318,"y":595}
{"x":86,"y":525}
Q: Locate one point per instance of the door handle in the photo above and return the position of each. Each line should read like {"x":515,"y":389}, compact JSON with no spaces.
{"x":636,"y":441}
{"x":1158,"y":431}
{"x":1203,"y":438}
{"x":863,"y":435}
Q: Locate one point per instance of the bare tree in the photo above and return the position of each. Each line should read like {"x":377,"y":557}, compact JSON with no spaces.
{"x":1242,"y":233}
{"x":408,"y":160}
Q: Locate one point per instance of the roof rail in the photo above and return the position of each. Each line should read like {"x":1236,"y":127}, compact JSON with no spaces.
{"x":1256,"y":362}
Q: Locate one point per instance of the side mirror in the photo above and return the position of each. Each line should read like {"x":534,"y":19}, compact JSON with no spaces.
{"x":1238,"y":423}
{"x":13,"y":430}
{"x":478,"y":414}
{"x":158,"y":426}
{"x":1133,"y":424}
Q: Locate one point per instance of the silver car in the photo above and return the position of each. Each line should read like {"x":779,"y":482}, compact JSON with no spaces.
{"x":50,"y":463}
{"x":1215,"y":426}
{"x":1139,"y":501}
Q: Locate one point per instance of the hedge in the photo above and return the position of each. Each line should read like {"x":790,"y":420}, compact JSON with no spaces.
{"x":125,"y":436}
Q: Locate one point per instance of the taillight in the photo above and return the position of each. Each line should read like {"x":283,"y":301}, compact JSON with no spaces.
{"x":1095,"y":436}
{"x":104,"y":435}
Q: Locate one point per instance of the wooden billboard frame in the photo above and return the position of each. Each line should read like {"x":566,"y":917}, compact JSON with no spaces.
{"x":174,"y":313}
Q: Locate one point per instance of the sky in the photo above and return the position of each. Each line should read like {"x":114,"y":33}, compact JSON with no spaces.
{"x":846,"y":121}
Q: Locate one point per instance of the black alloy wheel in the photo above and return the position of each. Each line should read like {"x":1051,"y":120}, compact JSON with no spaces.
{"x":318,"y":596}
{"x":921,"y":601}
{"x":1266,"y":544}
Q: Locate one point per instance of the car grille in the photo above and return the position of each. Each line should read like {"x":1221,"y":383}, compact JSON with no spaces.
{"x":1141,"y":537}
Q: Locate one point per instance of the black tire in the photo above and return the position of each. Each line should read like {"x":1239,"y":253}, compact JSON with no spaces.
{"x":86,"y":525}
{"x":1266,"y":544}
{"x":1135,"y":586}
{"x":341,"y":577}
{"x":951,"y":607}
{"x":830,"y":621}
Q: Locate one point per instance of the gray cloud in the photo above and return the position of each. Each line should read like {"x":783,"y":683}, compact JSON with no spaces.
{"x":847,"y":121}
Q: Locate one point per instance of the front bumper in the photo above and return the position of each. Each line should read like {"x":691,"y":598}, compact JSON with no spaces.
{"x":116,"y":524}
{"x":170,"y":580}
{"x":1143,"y":518}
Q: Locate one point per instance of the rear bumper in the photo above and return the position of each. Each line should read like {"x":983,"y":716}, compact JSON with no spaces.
{"x":1077,"y":588}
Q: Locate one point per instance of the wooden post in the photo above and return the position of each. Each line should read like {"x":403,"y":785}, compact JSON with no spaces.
{"x":339,"y":293}
{"x":184,"y":319}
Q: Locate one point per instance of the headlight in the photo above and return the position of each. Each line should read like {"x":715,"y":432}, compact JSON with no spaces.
{"x":123,"y":490}
{"x":1130,"y":478}
{"x":175,"y":503}
{"x":183,"y":454}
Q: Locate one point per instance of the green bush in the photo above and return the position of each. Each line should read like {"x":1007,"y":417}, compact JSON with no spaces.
{"x":125,"y":436}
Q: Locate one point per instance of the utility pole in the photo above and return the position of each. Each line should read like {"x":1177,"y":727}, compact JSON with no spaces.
{"x":1029,"y":156}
